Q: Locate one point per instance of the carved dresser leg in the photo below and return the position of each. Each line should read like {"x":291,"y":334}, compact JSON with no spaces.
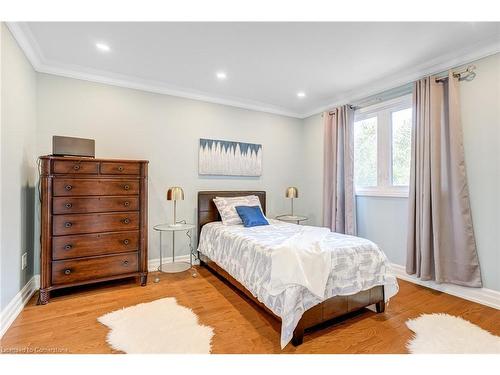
{"x":43,"y":297}
{"x":298,"y":335}
{"x":380,"y":306}
{"x":144,"y":280}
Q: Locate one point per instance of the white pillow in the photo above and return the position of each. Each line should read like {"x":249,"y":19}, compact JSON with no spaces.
{"x":227,"y":210}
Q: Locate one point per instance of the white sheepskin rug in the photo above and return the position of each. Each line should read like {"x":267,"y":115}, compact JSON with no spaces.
{"x":161,"y":326}
{"x":447,"y":334}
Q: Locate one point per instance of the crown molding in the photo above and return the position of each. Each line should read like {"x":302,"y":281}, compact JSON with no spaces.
{"x":30,"y":47}
{"x":434,"y":66}
{"x":139,"y":84}
{"x":26,"y":41}
{"x":28,"y":44}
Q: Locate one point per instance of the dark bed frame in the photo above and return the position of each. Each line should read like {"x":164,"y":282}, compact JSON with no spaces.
{"x":327,"y":310}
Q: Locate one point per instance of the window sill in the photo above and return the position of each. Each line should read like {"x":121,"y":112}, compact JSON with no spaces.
{"x":390,"y":193}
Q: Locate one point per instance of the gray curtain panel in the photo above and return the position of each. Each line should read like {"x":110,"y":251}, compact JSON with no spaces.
{"x":339,"y":201}
{"x":441,"y":243}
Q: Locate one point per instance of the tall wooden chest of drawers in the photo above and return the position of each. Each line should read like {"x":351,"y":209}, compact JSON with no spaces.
{"x":93,"y":221}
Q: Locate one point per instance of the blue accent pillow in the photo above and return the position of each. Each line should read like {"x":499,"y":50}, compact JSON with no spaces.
{"x":251,"y":216}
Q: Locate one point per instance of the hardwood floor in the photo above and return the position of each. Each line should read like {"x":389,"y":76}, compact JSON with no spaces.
{"x":68,"y":323}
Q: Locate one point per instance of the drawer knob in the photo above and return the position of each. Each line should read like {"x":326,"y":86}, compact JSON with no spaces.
{"x":126,"y":242}
{"x":68,"y":187}
{"x":126,"y":220}
{"x":125,"y":262}
{"x":68,"y":224}
{"x":126,"y":203}
{"x":68,"y":247}
{"x":68,"y":205}
{"x":76,"y":167}
{"x":120,"y":168}
{"x":126,"y":187}
{"x":67,"y":271}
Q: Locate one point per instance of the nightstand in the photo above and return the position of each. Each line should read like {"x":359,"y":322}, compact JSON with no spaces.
{"x":174,"y":266}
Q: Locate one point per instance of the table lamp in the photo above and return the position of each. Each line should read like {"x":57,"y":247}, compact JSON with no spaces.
{"x":175,"y":194}
{"x":292,"y":193}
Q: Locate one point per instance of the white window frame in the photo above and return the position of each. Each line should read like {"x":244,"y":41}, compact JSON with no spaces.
{"x":383,"y":112}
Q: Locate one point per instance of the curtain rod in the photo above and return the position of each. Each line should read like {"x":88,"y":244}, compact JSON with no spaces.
{"x":393,"y":93}
{"x":466,"y":74}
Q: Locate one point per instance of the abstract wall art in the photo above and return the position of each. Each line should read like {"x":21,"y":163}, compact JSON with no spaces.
{"x":227,"y":158}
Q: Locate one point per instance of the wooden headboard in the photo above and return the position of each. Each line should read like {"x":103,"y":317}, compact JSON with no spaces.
{"x":207,"y":211}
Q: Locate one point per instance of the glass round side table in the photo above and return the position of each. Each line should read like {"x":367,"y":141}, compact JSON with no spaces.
{"x":174,"y":266}
{"x":296,"y":218}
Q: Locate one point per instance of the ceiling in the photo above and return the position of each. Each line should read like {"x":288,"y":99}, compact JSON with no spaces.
{"x":266,"y":64}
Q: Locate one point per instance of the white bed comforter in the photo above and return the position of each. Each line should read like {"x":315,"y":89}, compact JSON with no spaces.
{"x":302,"y":259}
{"x":246,"y":254}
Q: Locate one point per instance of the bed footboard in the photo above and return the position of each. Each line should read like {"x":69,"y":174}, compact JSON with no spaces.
{"x":336,"y":307}
{"x":327,"y":310}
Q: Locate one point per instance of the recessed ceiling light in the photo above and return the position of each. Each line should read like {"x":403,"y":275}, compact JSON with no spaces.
{"x":102,"y":47}
{"x":221,"y":75}
{"x":301,"y":94}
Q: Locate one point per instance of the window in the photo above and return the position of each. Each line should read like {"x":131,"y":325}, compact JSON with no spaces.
{"x":365,"y":152}
{"x":382,"y":148}
{"x":401,"y":147}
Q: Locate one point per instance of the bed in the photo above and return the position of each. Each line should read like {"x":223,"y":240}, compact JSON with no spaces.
{"x":241,"y":256}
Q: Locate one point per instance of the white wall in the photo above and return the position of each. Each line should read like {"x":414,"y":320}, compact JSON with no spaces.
{"x":480,"y":112}
{"x":384,"y":220}
{"x":18,"y":166}
{"x":165,"y":130}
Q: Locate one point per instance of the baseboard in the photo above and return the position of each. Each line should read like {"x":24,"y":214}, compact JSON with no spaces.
{"x":153,"y":264}
{"x":484,"y":296}
{"x":12,"y":310}
{"x":16,"y":305}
